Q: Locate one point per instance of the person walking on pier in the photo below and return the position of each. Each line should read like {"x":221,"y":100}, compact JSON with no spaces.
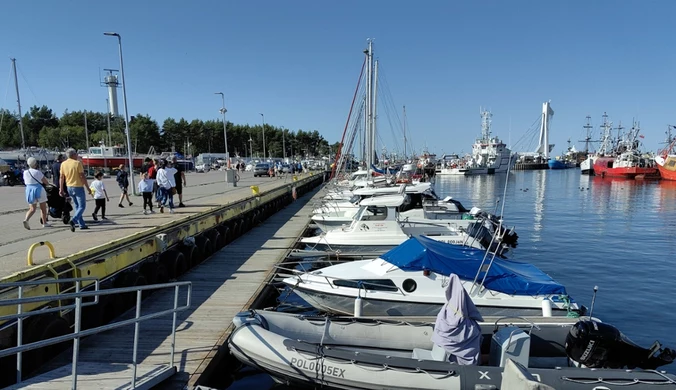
{"x":167,"y":184}
{"x":179,"y":179}
{"x":152,"y":175}
{"x":56,"y":170}
{"x":35,"y":192}
{"x":145,"y":187}
{"x":100,"y":196}
{"x":73,"y":178}
{"x":123,"y":182}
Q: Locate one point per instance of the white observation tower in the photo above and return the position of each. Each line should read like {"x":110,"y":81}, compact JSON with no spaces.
{"x":111,"y":82}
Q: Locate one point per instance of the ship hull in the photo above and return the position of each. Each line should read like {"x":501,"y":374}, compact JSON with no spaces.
{"x":111,"y":162}
{"x":603,"y":166}
{"x":663,"y":163}
{"x":557,"y":164}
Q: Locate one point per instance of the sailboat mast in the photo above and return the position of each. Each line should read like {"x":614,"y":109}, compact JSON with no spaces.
{"x":18,"y":102}
{"x":375,"y":110}
{"x":369,"y":96}
{"x":404,"y":132}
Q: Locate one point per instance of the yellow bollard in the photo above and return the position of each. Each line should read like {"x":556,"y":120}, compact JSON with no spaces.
{"x":49,"y":245}
{"x":295,"y":178}
{"x":255,"y":191}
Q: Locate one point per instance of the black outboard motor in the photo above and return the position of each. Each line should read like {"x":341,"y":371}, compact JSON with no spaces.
{"x":599,"y":345}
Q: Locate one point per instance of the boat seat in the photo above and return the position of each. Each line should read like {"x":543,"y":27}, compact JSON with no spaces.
{"x":437,"y":353}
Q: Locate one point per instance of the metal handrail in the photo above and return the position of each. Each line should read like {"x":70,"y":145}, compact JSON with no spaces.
{"x":20,"y":315}
{"x":78,"y":333}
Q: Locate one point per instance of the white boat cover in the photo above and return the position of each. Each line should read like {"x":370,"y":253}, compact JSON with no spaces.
{"x":456,"y":328}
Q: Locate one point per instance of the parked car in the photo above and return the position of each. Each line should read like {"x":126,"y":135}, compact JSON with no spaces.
{"x":202,"y":168}
{"x":261,"y":170}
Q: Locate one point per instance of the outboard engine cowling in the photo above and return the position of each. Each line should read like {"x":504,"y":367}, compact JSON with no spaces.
{"x":599,"y":345}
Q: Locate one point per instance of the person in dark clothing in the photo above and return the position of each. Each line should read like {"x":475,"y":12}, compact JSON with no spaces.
{"x":56,"y":169}
{"x":147,"y":163}
{"x":123,"y":182}
{"x":179,"y":177}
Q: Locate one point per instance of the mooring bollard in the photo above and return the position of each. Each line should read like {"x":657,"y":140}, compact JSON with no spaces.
{"x":255,"y":191}
{"x":52,"y":255}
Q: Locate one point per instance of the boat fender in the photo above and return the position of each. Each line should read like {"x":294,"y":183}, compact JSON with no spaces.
{"x":358,"y":305}
{"x":546,"y":308}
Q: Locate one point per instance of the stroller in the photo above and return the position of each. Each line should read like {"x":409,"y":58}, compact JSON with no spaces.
{"x":59,"y":207}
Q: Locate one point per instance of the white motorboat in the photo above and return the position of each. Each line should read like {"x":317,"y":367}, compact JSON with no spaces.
{"x":377,"y":353}
{"x":349,"y":199}
{"x":410,"y":280}
{"x":377,"y":227}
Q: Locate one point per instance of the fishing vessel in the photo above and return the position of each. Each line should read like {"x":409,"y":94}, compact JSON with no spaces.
{"x":109,"y":156}
{"x":628,"y":163}
{"x":666,"y":159}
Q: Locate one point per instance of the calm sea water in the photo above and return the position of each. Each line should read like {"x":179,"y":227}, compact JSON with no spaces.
{"x":585,"y":232}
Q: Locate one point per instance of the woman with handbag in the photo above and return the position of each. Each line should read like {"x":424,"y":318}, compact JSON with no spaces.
{"x":35,"y":192}
{"x":167,"y":185}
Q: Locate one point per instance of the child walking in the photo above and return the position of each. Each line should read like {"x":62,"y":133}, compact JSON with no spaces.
{"x":167,"y":184}
{"x":145,"y":186}
{"x":100,"y":196}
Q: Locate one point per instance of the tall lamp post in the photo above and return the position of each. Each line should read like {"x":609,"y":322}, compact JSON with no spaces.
{"x":126,"y":115}
{"x":225,"y":133}
{"x":264,"y":155}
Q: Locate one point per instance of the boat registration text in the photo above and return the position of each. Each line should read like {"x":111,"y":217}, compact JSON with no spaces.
{"x":315,"y":366}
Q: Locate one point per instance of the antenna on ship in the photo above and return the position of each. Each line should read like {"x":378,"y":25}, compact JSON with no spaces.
{"x":111,"y":82}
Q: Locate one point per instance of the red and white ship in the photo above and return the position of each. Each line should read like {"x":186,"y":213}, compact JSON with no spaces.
{"x":109,"y":156}
{"x":629,"y":163}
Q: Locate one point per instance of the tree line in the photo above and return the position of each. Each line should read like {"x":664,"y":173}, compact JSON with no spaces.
{"x":42,"y":128}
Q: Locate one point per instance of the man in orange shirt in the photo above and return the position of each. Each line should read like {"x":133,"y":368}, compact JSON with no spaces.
{"x":74,"y":178}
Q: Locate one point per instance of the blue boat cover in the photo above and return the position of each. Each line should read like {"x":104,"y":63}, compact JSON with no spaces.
{"x":386,"y":170}
{"x":510,"y":277}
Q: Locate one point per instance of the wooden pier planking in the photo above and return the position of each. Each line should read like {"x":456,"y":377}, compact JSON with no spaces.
{"x":222,"y":287}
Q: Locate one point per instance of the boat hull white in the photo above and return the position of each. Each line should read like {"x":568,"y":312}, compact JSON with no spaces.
{"x":349,"y":353}
{"x":344,"y":305}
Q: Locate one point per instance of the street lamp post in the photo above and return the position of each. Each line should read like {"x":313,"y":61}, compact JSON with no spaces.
{"x":126,"y":114}
{"x":264,"y":155}
{"x":225,"y":133}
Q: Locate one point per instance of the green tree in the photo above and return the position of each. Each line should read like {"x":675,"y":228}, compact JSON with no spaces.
{"x":10,"y":135}
{"x":34,"y":120}
{"x":144,"y":133}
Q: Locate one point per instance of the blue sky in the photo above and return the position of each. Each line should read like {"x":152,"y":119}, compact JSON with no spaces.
{"x":298,"y":61}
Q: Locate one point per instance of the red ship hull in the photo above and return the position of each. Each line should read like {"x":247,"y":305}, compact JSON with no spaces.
{"x":603,"y":166}
{"x":666,"y":174}
{"x":112,"y":162}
